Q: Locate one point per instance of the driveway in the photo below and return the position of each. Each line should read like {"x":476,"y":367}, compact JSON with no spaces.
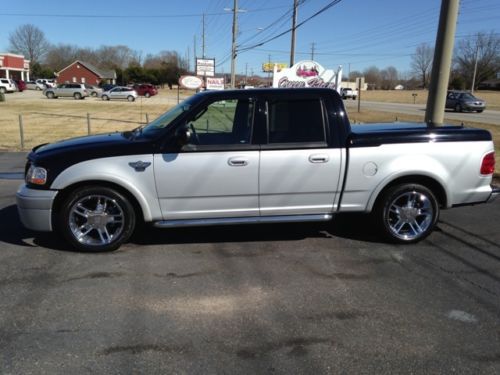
{"x":300,"y":298}
{"x":487,"y":117}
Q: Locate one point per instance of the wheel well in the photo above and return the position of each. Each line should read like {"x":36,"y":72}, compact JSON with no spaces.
{"x":433,"y":185}
{"x":63,"y":194}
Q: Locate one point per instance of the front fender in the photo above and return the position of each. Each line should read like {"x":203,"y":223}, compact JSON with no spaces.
{"x":116,"y":170}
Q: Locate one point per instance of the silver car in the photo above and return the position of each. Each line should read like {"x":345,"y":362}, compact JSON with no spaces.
{"x":120,"y":92}
{"x":93,"y":90}
{"x":75,"y":90}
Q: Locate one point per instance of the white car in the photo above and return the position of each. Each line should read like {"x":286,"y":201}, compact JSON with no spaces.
{"x":7,"y":85}
{"x":119,"y":92}
{"x":45,"y":83}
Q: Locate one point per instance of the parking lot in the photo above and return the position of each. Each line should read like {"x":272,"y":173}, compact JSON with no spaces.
{"x":301,"y":298}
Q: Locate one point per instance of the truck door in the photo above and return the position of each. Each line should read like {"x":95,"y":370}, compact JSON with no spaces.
{"x":216,"y":174}
{"x":299,"y":171}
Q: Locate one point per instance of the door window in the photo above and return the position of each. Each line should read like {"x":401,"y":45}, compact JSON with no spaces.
{"x":224,"y":122}
{"x":296,"y":121}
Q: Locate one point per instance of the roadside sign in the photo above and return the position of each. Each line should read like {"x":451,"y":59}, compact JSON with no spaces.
{"x":205,"y":67}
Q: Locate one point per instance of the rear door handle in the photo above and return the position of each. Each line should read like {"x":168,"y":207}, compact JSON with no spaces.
{"x":237,"y":162}
{"x":319,"y":158}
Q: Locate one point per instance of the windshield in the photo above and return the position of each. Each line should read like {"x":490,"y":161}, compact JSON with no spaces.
{"x":468,"y":97}
{"x":168,"y":117}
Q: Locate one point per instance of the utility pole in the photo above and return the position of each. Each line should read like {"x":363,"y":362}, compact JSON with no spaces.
{"x":441,"y":65}
{"x":246,"y":72}
{"x":269,"y":72}
{"x":194,"y":54}
{"x":294,"y":26}
{"x":475,"y":66}
{"x":233,"y":44}
{"x":312,"y":50}
{"x":203,"y":37}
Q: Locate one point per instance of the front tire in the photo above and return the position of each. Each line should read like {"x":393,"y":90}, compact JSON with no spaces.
{"x":96,"y":219}
{"x":407,"y":213}
{"x":105,"y":97}
{"x":458,"y":108}
{"x":130,"y":98}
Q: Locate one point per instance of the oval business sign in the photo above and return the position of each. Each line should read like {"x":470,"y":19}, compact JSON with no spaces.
{"x":190,"y":82}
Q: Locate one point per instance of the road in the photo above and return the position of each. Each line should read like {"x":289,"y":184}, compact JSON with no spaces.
{"x":309,"y":298}
{"x":487,"y":117}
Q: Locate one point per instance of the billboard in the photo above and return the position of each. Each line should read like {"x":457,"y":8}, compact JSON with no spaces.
{"x":205,"y":67}
{"x":307,"y":73}
{"x":215,"y":83}
{"x":268,"y":67}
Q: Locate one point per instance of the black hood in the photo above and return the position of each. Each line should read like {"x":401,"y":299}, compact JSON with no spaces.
{"x":57,"y":156}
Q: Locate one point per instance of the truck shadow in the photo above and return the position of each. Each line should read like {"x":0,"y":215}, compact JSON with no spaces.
{"x":349,"y":226}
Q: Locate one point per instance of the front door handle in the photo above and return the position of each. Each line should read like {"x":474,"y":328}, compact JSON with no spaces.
{"x":319,"y":158}
{"x":237,"y":162}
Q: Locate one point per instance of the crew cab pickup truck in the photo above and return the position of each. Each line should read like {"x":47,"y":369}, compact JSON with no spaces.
{"x":254,"y":156}
{"x":348,"y":93}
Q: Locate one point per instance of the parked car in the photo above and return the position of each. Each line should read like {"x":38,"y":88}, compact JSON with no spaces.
{"x":45,"y":83}
{"x":7,"y":85}
{"x":254,"y":156}
{"x":145,"y":89}
{"x":21,"y":85}
{"x":93,"y":90}
{"x":120,"y":92}
{"x":464,"y":101}
{"x":33,"y":85}
{"x":348,"y":93}
{"x":107,"y":86}
{"x":75,"y":90}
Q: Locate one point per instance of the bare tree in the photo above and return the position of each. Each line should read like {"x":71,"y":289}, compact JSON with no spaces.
{"x":389,"y":78}
{"x":480,"y":53}
{"x":29,"y":41}
{"x":421,"y":62}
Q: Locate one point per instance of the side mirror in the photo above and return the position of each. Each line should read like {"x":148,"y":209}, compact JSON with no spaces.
{"x":183,"y":135}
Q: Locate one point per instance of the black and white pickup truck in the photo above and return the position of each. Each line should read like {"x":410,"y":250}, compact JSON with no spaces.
{"x":254,"y":156}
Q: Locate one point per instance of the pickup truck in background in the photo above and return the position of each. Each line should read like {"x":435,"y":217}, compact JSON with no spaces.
{"x":254,"y":156}
{"x":348,"y":93}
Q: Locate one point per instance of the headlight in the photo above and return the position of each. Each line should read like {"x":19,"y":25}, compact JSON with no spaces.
{"x":36,"y":175}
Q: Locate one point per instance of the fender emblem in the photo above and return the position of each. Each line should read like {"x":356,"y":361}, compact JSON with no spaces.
{"x":140,"y":166}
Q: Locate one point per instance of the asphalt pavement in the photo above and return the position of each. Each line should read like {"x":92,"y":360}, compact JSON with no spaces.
{"x":300,"y":298}
{"x":487,"y":117}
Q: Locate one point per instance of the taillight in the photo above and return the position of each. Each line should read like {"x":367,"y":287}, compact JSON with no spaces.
{"x":488,"y":164}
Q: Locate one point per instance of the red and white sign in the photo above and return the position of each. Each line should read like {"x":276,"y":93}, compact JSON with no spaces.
{"x":215,"y":83}
{"x":307,"y":73}
{"x":191,"y":82}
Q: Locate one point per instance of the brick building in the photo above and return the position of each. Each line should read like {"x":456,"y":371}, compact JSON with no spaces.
{"x":14,"y":66}
{"x":82,"y":72}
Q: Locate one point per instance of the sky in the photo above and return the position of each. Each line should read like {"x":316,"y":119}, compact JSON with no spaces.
{"x":356,"y":34}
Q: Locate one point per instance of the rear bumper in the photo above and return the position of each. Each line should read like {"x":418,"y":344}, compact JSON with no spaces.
{"x":35,"y":208}
{"x":495,"y":193}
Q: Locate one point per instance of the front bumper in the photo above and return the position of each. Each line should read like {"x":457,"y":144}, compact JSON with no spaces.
{"x":35,"y":208}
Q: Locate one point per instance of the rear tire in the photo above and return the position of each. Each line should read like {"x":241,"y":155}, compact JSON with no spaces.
{"x":406,"y":213}
{"x":147,"y":95}
{"x":458,"y":108}
{"x":479,"y":111}
{"x":96,"y":218}
{"x":77,"y":96}
{"x":105,"y":97}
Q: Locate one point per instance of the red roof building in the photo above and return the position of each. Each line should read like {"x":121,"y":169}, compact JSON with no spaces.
{"x":14,"y":66}
{"x":82,"y":72}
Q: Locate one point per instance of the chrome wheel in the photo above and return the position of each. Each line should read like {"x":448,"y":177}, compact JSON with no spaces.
{"x":410,"y":215}
{"x":407,"y":213}
{"x":96,"y":220}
